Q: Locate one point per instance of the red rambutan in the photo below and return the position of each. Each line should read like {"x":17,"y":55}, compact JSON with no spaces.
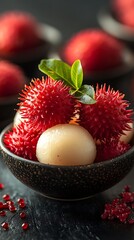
{"x":108,"y":117}
{"x":46,"y":103}
{"x":110,"y":149}
{"x":22,"y":140}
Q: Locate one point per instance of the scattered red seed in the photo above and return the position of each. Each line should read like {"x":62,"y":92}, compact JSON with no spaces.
{"x":121,"y":208}
{"x":12,"y":208}
{"x":5,"y":225}
{"x":6,"y":197}
{"x":1,"y":205}
{"x":22,"y":215}
{"x":1,"y":186}
{"x":20,"y":200}
{"x":2,"y":213}
{"x":10,"y":203}
{"x":22,"y":204}
{"x":5,"y":206}
{"x":25,"y":226}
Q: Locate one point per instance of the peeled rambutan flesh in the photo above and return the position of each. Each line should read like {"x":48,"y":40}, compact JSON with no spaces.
{"x":109,"y":117}
{"x":110,"y":149}
{"x":22,"y":140}
{"x":46,"y":103}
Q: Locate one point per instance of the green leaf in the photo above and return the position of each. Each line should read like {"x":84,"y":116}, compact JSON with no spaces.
{"x":56,"y":69}
{"x":89,"y":90}
{"x":77,"y":74}
{"x":86,"y":94}
{"x":86,"y":99}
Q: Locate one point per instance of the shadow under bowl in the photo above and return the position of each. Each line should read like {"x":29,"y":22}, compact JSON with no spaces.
{"x":112,"y":26}
{"x":29,"y":59}
{"x":67,"y":182}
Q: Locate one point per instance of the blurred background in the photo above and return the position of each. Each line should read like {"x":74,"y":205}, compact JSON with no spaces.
{"x":68,"y":16}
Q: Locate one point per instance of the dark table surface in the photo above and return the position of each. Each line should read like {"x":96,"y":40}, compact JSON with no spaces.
{"x":51,"y":219}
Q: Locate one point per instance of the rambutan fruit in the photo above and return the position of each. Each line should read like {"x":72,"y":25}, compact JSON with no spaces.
{"x":110,"y":149}
{"x":22,"y":140}
{"x":18,"y":31}
{"x":109,"y":117}
{"x":46,"y":103}
{"x":96,"y":50}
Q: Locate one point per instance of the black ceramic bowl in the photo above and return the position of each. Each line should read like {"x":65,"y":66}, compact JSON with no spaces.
{"x":67,"y":182}
{"x":110,"y":76}
{"x":29,"y":59}
{"x":111,"y":25}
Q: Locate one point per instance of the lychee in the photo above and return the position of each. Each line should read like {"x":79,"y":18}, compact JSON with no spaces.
{"x":46,"y":103}
{"x":109,"y":117}
{"x":66,"y":144}
{"x":96,"y":50}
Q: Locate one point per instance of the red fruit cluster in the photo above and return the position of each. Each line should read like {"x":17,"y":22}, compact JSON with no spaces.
{"x":121,"y":208}
{"x":18,"y":31}
{"x":96,"y":50}
{"x":46,"y":103}
{"x":9,"y":205}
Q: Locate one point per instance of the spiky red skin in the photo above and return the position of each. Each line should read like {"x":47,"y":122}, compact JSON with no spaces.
{"x":46,"y":103}
{"x":110,"y":149}
{"x":12,"y":79}
{"x":18,"y":31}
{"x":96,"y":50}
{"x":108,"y":117}
{"x":22,"y":140}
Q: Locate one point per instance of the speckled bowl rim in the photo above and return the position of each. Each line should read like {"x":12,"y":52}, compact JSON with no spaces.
{"x":112,"y":26}
{"x":93,"y":165}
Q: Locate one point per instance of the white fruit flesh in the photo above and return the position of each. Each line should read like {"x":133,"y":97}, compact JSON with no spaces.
{"x":66,"y":144}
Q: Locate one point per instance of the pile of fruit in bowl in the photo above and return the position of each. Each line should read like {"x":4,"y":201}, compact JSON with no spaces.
{"x":103,"y":57}
{"x":24,"y":40}
{"x":69,"y":140}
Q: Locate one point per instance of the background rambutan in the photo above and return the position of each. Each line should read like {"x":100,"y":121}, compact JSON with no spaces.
{"x":110,"y":149}
{"x":46,"y":103}
{"x":22,"y":140}
{"x":109,"y":117}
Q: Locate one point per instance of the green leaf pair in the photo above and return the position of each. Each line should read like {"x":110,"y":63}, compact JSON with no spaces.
{"x":71,"y":76}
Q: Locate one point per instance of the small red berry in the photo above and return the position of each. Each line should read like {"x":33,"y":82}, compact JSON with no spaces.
{"x":25,"y":226}
{"x":1,"y":186}
{"x":2,"y":213}
{"x":5,"y":225}
{"x":22,"y":215}
{"x":22,"y":204}
{"x":1,"y":205}
{"x":12,"y":208}
{"x":20,"y":200}
{"x":5,"y":205}
{"x":6,"y":197}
